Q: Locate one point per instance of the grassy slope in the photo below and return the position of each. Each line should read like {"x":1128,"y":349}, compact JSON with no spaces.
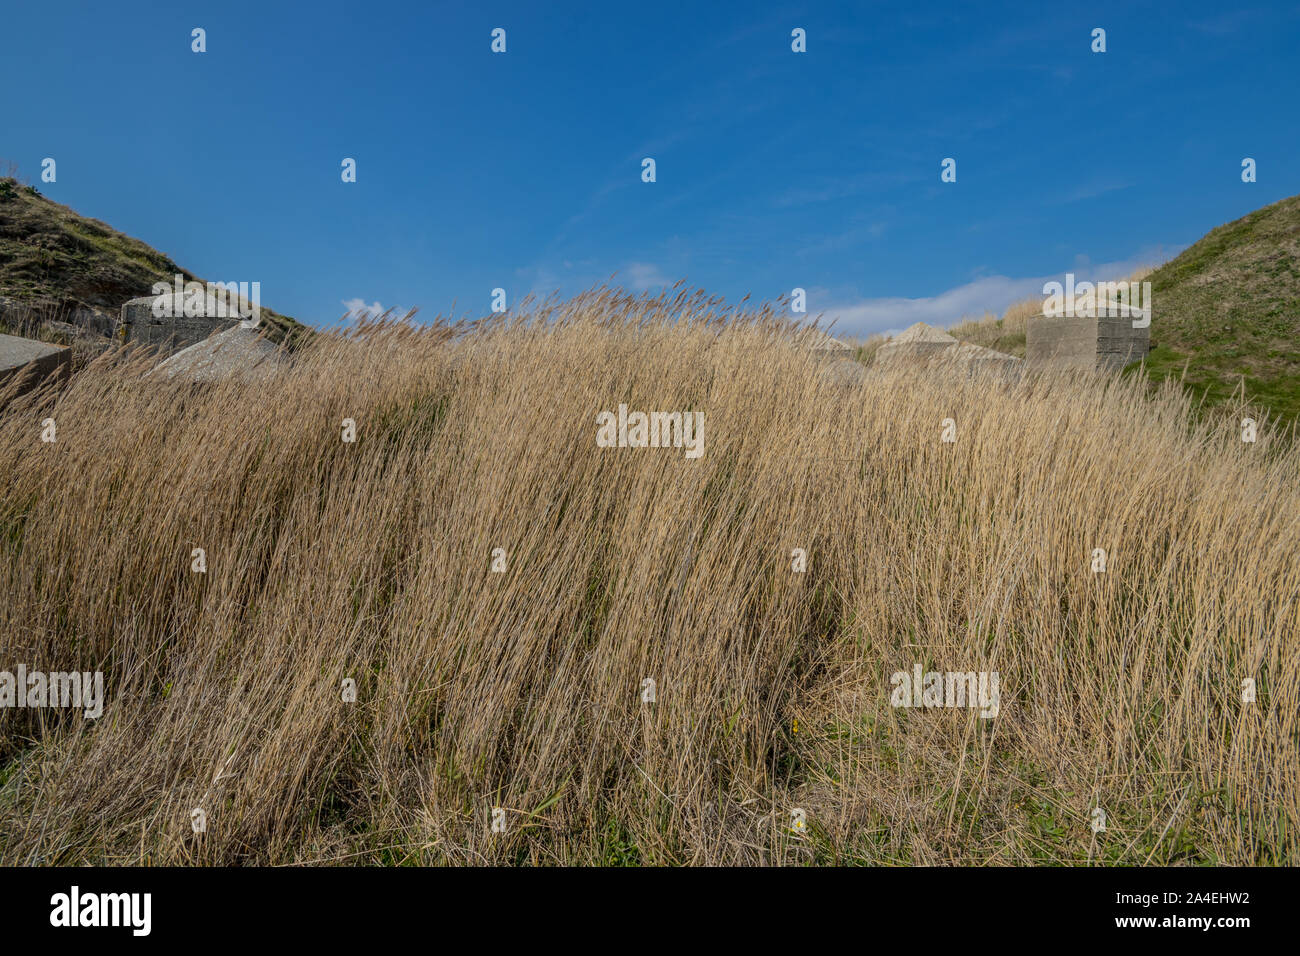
{"x":1229,"y":307}
{"x":59,"y":260}
{"x":372,"y":560}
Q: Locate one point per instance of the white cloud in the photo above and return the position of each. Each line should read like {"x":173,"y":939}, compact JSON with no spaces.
{"x":987,"y":293}
{"x":895,"y":313}
{"x":358,"y":309}
{"x":646,"y":275}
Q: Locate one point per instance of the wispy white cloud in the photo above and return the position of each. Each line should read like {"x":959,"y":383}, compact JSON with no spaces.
{"x":1225,"y":24}
{"x":846,"y":239}
{"x":646,"y":275}
{"x":1093,"y":188}
{"x":985,"y":294}
{"x":821,"y":189}
{"x":359,"y":309}
{"x":892,"y":314}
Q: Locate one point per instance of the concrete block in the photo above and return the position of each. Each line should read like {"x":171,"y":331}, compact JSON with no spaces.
{"x":138,"y":323}
{"x":1105,"y":343}
{"x":235,"y":353}
{"x":30,"y":357}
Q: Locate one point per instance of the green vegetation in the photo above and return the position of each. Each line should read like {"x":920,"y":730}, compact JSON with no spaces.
{"x":1227,"y":311}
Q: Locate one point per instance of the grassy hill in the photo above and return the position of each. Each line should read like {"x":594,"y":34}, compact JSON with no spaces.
{"x":1228,"y":310}
{"x":56,"y":264}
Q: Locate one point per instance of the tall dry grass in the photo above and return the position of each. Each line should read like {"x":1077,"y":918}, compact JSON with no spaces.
{"x":372,"y":561}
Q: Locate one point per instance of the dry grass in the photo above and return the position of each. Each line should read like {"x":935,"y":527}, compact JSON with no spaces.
{"x":521,"y":689}
{"x":865,"y":350}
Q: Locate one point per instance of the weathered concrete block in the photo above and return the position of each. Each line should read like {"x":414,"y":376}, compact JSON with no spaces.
{"x":1061,"y":342}
{"x":1105,"y":343}
{"x":29,"y":357}
{"x":235,"y":353}
{"x":139,"y":324}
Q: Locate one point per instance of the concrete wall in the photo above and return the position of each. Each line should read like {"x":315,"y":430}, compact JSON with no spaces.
{"x":1118,"y":343}
{"x":1064,"y":342}
{"x":1061,"y":342}
{"x":139,"y":325}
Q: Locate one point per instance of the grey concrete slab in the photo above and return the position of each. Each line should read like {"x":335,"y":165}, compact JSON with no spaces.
{"x":30,"y":357}
{"x":234,"y":353}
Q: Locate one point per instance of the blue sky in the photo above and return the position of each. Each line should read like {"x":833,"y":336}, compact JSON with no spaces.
{"x":522,"y":170}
